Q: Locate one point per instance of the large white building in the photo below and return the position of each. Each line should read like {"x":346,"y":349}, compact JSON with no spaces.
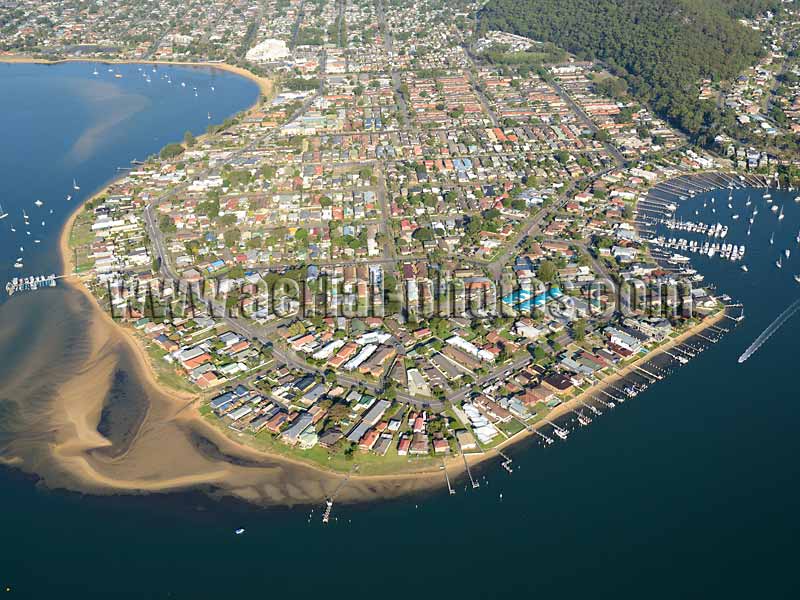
{"x":268,"y":51}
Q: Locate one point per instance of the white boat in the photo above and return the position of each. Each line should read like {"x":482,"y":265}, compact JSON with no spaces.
{"x":3,"y":214}
{"x":239,"y":531}
{"x":787,"y":253}
{"x":38,"y":203}
{"x":95,"y":72}
{"x":767,"y":196}
{"x":797,"y":278}
{"x":778,"y":263}
{"x":744,"y":268}
{"x":18,"y":264}
{"x":69,"y":197}
{"x":75,"y":185}
{"x":797,"y":199}
{"x":734,"y":217}
{"x":212,"y":88}
{"x":183,"y":84}
{"x":774,"y":208}
{"x":780,"y":216}
{"x":772,"y":239}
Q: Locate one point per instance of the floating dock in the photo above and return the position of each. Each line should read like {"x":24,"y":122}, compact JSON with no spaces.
{"x":31,"y":284}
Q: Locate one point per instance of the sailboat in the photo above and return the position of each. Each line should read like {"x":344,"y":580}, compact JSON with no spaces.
{"x":748,"y":203}
{"x":744,"y":268}
{"x":95,"y":72}
{"x":772,"y":239}
{"x":75,"y":185}
{"x":780,"y":216}
{"x":787,"y":253}
{"x":778,"y":263}
{"x":3,"y":214}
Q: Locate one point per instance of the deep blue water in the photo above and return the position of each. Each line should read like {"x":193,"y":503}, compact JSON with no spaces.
{"x":62,"y":123}
{"x":689,"y":490}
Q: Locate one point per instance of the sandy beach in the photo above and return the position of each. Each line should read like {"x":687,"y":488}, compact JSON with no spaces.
{"x":265,"y":84}
{"x":173,"y":419}
{"x":173,"y":446}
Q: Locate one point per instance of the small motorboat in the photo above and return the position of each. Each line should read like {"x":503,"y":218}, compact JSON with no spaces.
{"x":239,"y":531}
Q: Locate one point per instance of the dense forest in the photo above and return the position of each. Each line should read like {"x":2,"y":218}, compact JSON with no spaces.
{"x":662,"y":48}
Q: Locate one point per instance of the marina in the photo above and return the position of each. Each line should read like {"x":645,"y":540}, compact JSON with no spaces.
{"x":31,"y":283}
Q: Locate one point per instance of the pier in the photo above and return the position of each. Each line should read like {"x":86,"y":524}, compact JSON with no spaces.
{"x":475,"y":484}
{"x":601,"y":402}
{"x":506,"y":464}
{"x":560,"y":432}
{"x":592,"y":409}
{"x":32,"y":283}
{"x":450,"y":489}
{"x":326,"y":516}
{"x":651,"y":377}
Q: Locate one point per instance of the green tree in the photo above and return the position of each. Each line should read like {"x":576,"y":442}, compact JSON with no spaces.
{"x":547,"y":271}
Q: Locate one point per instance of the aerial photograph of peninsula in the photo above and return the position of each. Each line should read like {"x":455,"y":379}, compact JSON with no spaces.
{"x":399,"y":298}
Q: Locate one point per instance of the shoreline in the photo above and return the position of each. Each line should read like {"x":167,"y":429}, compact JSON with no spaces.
{"x":454,"y":464}
{"x":428,"y":477}
{"x":265,"y":85}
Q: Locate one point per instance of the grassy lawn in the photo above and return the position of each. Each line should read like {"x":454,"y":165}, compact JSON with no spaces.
{"x":513,"y":427}
{"x":368,"y":463}
{"x":165,"y":373}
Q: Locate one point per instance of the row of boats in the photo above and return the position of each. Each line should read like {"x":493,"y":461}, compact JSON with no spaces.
{"x":727,"y":251}
{"x":711,"y":230}
{"x":32,"y":283}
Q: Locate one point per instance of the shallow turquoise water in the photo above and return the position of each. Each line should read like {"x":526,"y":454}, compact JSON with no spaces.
{"x":690,"y":490}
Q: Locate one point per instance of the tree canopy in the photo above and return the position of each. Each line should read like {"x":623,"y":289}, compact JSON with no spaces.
{"x":662,"y":49}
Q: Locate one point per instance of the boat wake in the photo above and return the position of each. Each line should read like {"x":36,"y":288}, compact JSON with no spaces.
{"x":767,"y":333}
